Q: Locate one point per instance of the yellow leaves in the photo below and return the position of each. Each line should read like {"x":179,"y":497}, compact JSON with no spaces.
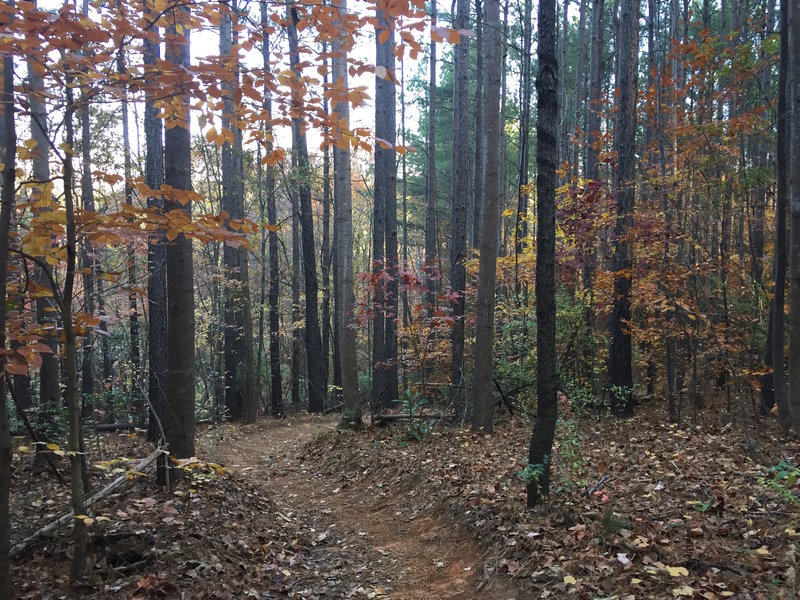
{"x":570,"y":580}
{"x":677,"y":571}
{"x":683,"y":591}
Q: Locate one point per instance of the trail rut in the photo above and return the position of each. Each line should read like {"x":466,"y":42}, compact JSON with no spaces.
{"x":413,"y":557}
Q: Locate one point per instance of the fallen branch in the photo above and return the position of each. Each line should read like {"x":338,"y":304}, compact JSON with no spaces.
{"x":505,"y":400}
{"x":66,"y":518}
{"x":598,"y":486}
{"x":401,"y":417}
{"x":333,"y":408}
{"x":104,"y":427}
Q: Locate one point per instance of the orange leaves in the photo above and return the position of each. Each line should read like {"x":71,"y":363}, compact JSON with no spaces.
{"x":453,"y":36}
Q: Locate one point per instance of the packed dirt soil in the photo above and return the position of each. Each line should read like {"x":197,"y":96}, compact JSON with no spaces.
{"x":298,"y":509}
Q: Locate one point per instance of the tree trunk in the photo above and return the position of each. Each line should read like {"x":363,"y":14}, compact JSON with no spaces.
{"x":77,"y":490}
{"x":297,"y":313}
{"x":782,"y":155}
{"x":541,"y":445}
{"x":432,"y":276}
{"x":240,"y":398}
{"x":386,"y":189}
{"x":88,"y":263}
{"x":136,"y":392}
{"x":564,"y":112}
{"x":156,"y":248}
{"x":316,"y":393}
{"x":482,"y":418}
{"x":793,"y":138}
{"x":578,"y":100}
{"x":8,"y":150}
{"x":521,"y":225}
{"x":480,"y":133}
{"x":325,"y":251}
{"x":179,"y":414}
{"x":620,"y":370}
{"x":276,"y":382}
{"x":343,"y":238}
{"x":459,"y":189}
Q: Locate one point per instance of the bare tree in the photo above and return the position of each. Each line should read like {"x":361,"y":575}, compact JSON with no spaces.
{"x":620,"y":368}
{"x":482,"y":417}
{"x":541,"y":446}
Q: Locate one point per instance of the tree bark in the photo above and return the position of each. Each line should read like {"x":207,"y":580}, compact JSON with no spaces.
{"x":325,"y":250}
{"x":343,"y":236}
{"x":179,"y":415}
{"x":579,"y":114}
{"x":793,"y":138}
{"x":156,"y":247}
{"x":385,"y":193}
{"x":77,"y":490}
{"x":480,"y":133}
{"x":482,"y":410}
{"x":459,"y":189}
{"x":541,"y":445}
{"x":432,"y":276}
{"x":240,"y":397}
{"x":276,"y":382}
{"x":316,"y":393}
{"x":782,"y":155}
{"x":620,"y":368}
{"x":8,"y":150}
{"x":135,"y":357}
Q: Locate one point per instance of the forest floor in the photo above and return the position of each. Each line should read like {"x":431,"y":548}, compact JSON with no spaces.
{"x":639,"y":509}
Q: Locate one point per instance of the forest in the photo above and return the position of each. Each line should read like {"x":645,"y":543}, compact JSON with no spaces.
{"x":399,"y":299}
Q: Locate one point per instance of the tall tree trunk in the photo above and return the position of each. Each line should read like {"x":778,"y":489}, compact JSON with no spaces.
{"x":459,"y":189}
{"x":8,"y":150}
{"x":74,"y":442}
{"x":591,"y":168}
{"x":521,"y":225}
{"x":793,"y":137}
{"x":480,"y":133}
{"x":620,"y":368}
{"x":156,"y":247}
{"x":386,"y":189}
{"x":179,"y":418}
{"x":276,"y":381}
{"x":316,"y":393}
{"x":297,"y":312}
{"x":431,"y":235}
{"x":240,"y":398}
{"x":88,"y":262}
{"x":136,"y":391}
{"x":482,"y":418}
{"x":580,"y":76}
{"x":666,"y":207}
{"x":325,"y":250}
{"x":564,"y":112}
{"x":546,"y":160}
{"x":343,"y":237}
{"x":782,"y":155}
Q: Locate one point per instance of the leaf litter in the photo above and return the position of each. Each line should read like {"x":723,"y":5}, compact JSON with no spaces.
{"x":304,"y":511}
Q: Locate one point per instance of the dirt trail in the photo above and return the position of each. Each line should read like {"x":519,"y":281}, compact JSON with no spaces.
{"x":412,"y":557}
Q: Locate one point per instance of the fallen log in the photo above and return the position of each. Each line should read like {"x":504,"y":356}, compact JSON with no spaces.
{"x":106,"y":427}
{"x":334,"y":408}
{"x":402,"y":417}
{"x":66,"y":518}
